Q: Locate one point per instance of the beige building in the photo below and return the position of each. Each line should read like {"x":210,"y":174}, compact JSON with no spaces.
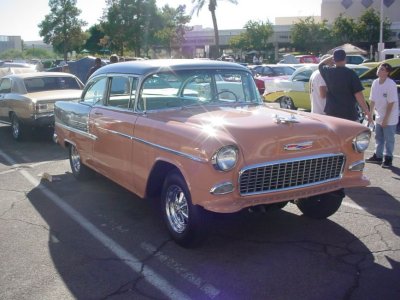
{"x":200,"y":40}
{"x":10,"y":42}
{"x":331,"y":9}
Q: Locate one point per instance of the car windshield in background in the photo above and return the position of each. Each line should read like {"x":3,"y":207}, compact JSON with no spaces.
{"x":185,"y":88}
{"x":41,"y":84}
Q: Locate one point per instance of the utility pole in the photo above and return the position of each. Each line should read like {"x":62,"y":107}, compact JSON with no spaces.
{"x":381,"y":44}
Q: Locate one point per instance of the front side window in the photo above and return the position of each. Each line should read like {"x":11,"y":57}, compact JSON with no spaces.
{"x":95,"y":92}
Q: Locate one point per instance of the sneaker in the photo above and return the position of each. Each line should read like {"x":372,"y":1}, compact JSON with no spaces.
{"x":387,"y":163}
{"x":374,"y":159}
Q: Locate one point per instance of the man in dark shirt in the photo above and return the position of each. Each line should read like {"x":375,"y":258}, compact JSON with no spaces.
{"x":344,"y":88}
{"x":97,"y":65}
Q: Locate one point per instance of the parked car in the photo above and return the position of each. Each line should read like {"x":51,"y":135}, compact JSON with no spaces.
{"x":263,"y":73}
{"x":355,"y":59}
{"x":27,"y":99}
{"x":206,"y":144}
{"x":294,"y":92}
{"x":307,"y":59}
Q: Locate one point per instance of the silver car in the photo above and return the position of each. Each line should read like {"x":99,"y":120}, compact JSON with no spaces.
{"x":27,"y":100}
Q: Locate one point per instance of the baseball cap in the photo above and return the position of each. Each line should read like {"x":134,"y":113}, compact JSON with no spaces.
{"x":339,"y":55}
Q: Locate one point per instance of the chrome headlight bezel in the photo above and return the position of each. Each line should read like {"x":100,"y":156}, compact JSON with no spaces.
{"x":225,"y":158}
{"x":361,"y":141}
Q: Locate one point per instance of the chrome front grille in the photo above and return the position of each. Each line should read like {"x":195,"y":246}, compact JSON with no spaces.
{"x":290,"y":174}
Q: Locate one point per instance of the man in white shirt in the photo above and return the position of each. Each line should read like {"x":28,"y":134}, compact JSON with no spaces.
{"x":317,"y":93}
{"x":385,"y":102}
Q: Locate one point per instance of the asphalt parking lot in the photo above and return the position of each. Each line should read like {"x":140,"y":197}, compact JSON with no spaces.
{"x":94,"y":240}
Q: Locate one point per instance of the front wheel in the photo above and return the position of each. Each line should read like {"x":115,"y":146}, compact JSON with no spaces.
{"x":287,"y":103}
{"x":321,"y":206}
{"x":79,"y":170}
{"x":184,"y":220}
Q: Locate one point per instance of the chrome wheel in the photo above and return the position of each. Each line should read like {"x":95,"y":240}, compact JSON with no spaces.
{"x":15,"y":127}
{"x":186,"y":223}
{"x":176,"y":208}
{"x":287,"y":103}
{"x":75,"y":160}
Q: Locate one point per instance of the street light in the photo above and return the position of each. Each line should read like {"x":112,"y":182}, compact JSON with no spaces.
{"x":381,"y":45}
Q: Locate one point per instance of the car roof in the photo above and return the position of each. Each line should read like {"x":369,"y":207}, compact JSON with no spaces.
{"x":39,"y":74}
{"x":314,"y":67}
{"x":144,"y":67}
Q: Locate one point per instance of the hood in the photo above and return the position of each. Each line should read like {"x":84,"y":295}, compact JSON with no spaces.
{"x":56,"y":95}
{"x":261,"y":132}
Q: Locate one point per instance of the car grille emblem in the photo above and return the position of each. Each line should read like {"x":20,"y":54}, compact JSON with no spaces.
{"x":298,"y":147}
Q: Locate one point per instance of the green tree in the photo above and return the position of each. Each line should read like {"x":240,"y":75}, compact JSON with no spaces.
{"x":61,"y":27}
{"x":172,"y":27}
{"x":309,"y":36}
{"x":129,"y":24}
{"x":212,"y":6}
{"x":93,"y":43}
{"x":344,"y":30}
{"x":258,"y":34}
{"x":369,"y":27}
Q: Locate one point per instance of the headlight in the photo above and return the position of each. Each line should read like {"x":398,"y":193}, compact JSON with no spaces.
{"x":225,"y":158}
{"x":361,"y":142}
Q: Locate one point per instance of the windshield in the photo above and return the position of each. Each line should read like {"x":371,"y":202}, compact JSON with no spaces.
{"x":197,"y":87}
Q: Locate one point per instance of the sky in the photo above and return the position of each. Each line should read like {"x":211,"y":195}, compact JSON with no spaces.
{"x":21,"y":17}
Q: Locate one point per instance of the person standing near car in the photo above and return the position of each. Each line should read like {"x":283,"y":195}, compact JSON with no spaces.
{"x":344,"y":88}
{"x":318,"y":91}
{"x":385,"y":102}
{"x":97,"y":65}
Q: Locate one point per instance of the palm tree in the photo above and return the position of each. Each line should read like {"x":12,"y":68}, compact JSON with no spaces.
{"x":212,"y":6}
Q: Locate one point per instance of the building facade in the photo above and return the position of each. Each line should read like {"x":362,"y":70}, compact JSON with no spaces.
{"x":10,"y":42}
{"x":199,"y":40}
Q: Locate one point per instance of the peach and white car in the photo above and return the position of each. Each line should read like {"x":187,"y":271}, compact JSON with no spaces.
{"x":195,"y":137}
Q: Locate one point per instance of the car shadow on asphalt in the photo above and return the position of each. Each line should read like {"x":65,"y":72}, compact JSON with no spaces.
{"x":265,"y":248}
{"x":379,"y":203}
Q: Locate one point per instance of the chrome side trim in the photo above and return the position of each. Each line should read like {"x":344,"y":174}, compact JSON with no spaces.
{"x":357,"y":166}
{"x":81,"y":132}
{"x":133,"y":138}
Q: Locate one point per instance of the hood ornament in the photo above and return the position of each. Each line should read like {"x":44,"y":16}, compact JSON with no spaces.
{"x":299,"y":146}
{"x":285,"y":120}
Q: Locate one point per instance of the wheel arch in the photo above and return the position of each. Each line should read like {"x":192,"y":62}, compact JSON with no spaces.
{"x":157,"y":176}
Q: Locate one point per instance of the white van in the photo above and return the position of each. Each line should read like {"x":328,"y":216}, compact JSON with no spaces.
{"x":390,"y":53}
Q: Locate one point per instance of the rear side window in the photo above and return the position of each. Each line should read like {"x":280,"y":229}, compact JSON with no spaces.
{"x":40,"y":84}
{"x":119,"y":92}
{"x":5,"y":86}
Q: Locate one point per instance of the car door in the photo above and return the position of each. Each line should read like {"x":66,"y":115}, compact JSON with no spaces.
{"x":301,"y":89}
{"x":113,"y":122}
{"x":5,"y":88}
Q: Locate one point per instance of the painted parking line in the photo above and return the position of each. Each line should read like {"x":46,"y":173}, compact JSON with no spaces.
{"x":131,"y":261}
{"x":374,"y":210}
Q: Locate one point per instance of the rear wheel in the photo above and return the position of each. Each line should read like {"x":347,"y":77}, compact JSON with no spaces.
{"x":287,"y":103}
{"x":17,"y":129}
{"x":184,"y":220}
{"x":321,"y":206}
{"x":79,"y":170}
